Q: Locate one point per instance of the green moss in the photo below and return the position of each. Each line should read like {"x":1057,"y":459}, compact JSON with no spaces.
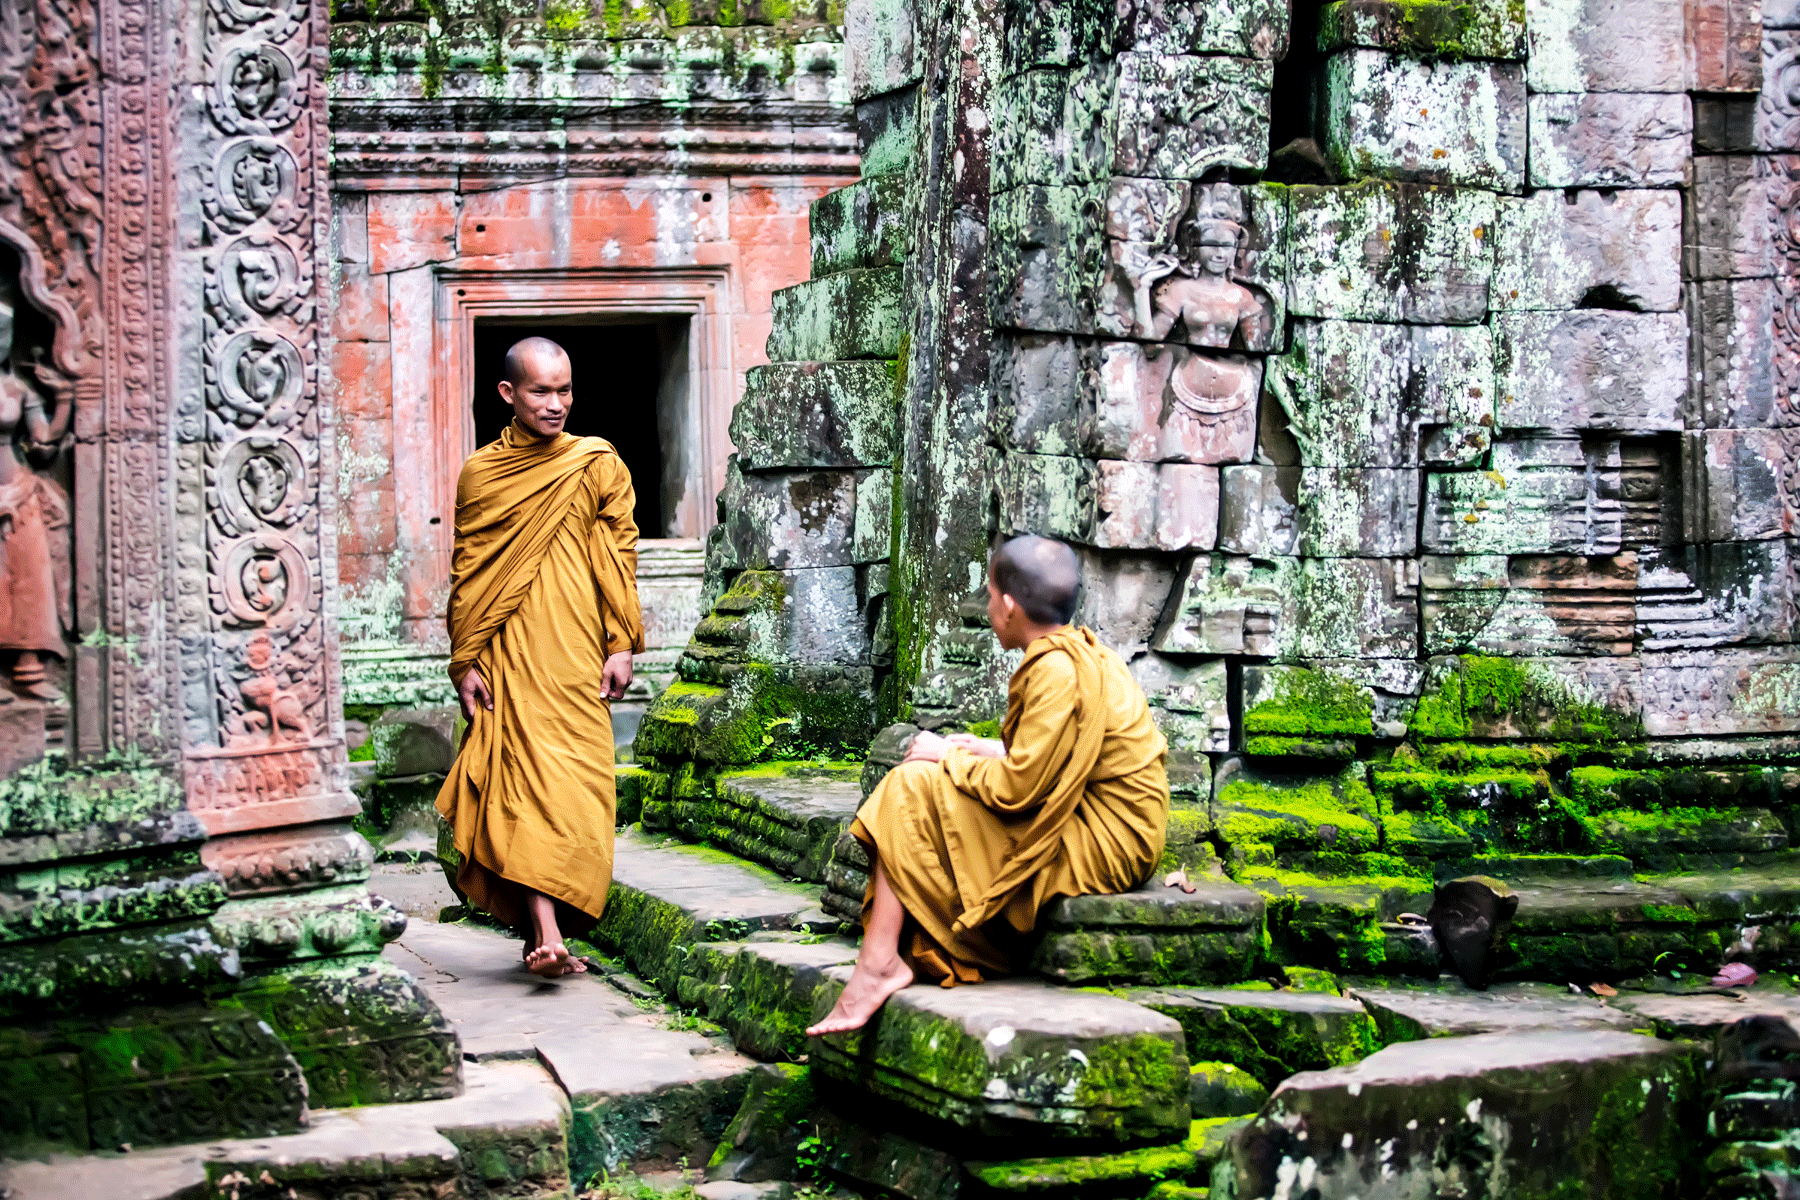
{"x":1482,"y":692}
{"x":1316,"y":814}
{"x":1313,"y":702}
{"x":985,"y":729}
{"x":1075,"y":1171}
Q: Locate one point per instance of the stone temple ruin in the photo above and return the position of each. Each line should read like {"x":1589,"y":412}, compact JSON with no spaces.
{"x":1420,"y":382}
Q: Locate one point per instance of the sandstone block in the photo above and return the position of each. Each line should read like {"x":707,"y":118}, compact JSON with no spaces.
{"x":1293,"y":608}
{"x":1329,"y":697}
{"x":1731,"y":216}
{"x":1736,"y":351}
{"x":871,"y":538}
{"x":1608,"y":45}
{"x":863,"y":225}
{"x":1544,"y":496}
{"x":1745,"y":483}
{"x":1048,"y":258}
{"x":1536,"y":1098}
{"x":1157,"y":115}
{"x":1188,"y":702}
{"x":1531,"y":605}
{"x":1154,"y":934}
{"x":1428,"y":29}
{"x":1777,"y":125}
{"x":1210,"y":402}
{"x":883,"y":45}
{"x":1726,"y":124}
{"x":1591,"y":369}
{"x":1039,"y":382}
{"x":1259,"y":510}
{"x":1013,"y":1055}
{"x":853,"y":314}
{"x":1391,"y":252}
{"x":1124,"y":596}
{"x":1065,"y":32}
{"x":1111,"y":504}
{"x":1359,"y":394}
{"x":1358,"y":512}
{"x":1721,"y":692}
{"x":790,"y":520}
{"x":1610,"y":139}
{"x":1726,"y":45}
{"x":1434,"y":122}
{"x":1555,"y":251}
{"x":815,"y":414}
{"x":1049,"y":495}
{"x":1721,"y":593}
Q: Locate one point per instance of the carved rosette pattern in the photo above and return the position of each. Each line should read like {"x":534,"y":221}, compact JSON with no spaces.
{"x":258,"y":723}
{"x":1784,"y":242}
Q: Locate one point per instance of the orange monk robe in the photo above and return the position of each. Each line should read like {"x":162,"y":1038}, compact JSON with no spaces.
{"x":542,"y":590}
{"x":976,"y":847}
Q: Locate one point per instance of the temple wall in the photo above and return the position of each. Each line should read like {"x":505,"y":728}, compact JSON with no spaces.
{"x":492,"y":163}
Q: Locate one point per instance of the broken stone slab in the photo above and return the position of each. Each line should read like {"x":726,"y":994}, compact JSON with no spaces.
{"x":1155,"y":934}
{"x":1424,"y":30}
{"x":784,"y":818}
{"x":806,"y":416}
{"x":1359,"y":394}
{"x":1188,"y":701}
{"x":852,"y":314}
{"x":1382,"y":251}
{"x":1609,"y":140}
{"x":1557,"y":251}
{"x":1443,"y":122}
{"x":1730,"y":217}
{"x":1222,"y":1089}
{"x":1721,"y":692}
{"x":1452,"y":1008}
{"x":860,"y":226}
{"x":1746,"y":490}
{"x":1293,"y":608}
{"x":1268,"y":1033}
{"x":764,"y":1136}
{"x":1125,"y":597}
{"x":1589,"y":369}
{"x":1152,"y":115}
{"x":668,"y":896}
{"x":1013,"y":1058}
{"x":1608,"y":46}
{"x":1551,"y":1107}
{"x":763,"y":993}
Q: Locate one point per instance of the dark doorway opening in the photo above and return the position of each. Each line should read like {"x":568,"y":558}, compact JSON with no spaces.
{"x":1296,"y":98}
{"x":630,"y":387}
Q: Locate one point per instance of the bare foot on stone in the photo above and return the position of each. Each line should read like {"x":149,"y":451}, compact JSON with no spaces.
{"x":869,"y":987}
{"x":552,"y":961}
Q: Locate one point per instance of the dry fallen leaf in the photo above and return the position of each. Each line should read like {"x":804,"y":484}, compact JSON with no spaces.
{"x":1601,"y":989}
{"x":1178,"y":878}
{"x":1410,"y":918}
{"x":1735,"y":974}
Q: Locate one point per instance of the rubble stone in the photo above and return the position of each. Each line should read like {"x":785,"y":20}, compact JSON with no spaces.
{"x":1609,"y":139}
{"x":1557,"y":251}
{"x":1433,"y":122}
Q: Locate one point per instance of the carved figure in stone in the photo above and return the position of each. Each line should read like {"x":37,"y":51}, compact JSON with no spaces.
{"x":255,"y":82}
{"x":34,"y":510}
{"x":270,"y":706}
{"x":1195,"y":288}
{"x":256,"y":181}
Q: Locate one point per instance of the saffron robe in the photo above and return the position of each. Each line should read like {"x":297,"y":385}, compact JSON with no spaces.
{"x":543,"y":589}
{"x":975,"y":847}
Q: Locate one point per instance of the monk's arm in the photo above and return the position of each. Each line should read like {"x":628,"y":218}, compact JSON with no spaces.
{"x":624,"y":629}
{"x":1039,"y":749}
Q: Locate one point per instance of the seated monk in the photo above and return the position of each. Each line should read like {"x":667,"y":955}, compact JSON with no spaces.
{"x":970,"y":838}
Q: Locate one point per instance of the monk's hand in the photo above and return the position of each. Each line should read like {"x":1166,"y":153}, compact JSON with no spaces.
{"x":978,"y":746}
{"x":473,"y":692}
{"x":615,"y":676}
{"x":926,"y":747}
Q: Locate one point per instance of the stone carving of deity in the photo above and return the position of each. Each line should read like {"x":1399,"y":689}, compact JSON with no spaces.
{"x":259,"y":279}
{"x":1211,"y":400}
{"x":256,"y":179}
{"x":254,"y":84}
{"x":34,"y":511}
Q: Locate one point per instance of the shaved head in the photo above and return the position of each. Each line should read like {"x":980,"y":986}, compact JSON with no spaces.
{"x":535,"y":349}
{"x":1042,"y":575}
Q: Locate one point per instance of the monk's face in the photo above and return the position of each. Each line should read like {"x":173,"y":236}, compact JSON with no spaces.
{"x":541,"y":397}
{"x":1005,"y":617}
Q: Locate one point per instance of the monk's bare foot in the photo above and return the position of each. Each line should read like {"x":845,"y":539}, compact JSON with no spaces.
{"x":553,"y":961}
{"x":869,"y":987}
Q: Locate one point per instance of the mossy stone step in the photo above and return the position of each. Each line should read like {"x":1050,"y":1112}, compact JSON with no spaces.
{"x":764,"y":993}
{"x":668,"y":896}
{"x":1596,"y":1113}
{"x":786,"y":818}
{"x":1016,"y":1058}
{"x":1700,"y":1015}
{"x":1451,"y":1008}
{"x":1270,"y":1034}
{"x":1154,"y":934}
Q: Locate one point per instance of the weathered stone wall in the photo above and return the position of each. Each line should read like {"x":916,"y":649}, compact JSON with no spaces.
{"x":494,"y":160}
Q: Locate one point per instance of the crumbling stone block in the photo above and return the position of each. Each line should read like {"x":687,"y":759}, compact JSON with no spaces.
{"x":883,"y":44}
{"x":1747,"y":483}
{"x":1111,"y":504}
{"x":1731,"y":215}
{"x":1358,"y":394}
{"x":809,"y":415}
{"x":1383,"y":251}
{"x":853,"y":314}
{"x":1259,"y":510}
{"x":1188,"y":701}
{"x":1294,"y":608}
{"x":1431,"y":29}
{"x":1591,"y":369}
{"x":863,"y":225}
{"x":1737,"y":351}
{"x":1610,"y":139}
{"x":1064,"y":32}
{"x":1543,"y":495}
{"x":1434,"y":122}
{"x":1721,"y":692}
{"x":1721,"y":593}
{"x":1123,"y":596}
{"x":783,"y":520}
{"x":1608,"y":45}
{"x":1556,"y":251}
{"x":1358,"y":512}
{"x":1531,"y":605}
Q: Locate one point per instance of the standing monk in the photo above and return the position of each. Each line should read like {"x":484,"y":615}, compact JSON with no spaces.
{"x":970,"y":838}
{"x":543,"y":621}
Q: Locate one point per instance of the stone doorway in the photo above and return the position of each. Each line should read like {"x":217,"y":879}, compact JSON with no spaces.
{"x":631,"y":388}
